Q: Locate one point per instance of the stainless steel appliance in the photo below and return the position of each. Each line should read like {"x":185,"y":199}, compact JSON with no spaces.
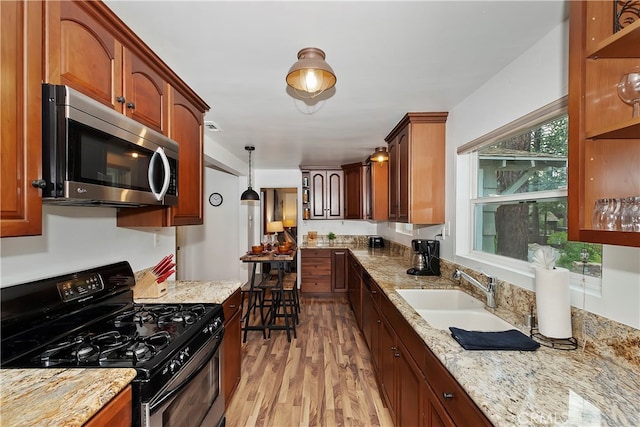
{"x":93,"y":155}
{"x":88,"y":319}
{"x":426,"y":258}
{"x":376,"y":242}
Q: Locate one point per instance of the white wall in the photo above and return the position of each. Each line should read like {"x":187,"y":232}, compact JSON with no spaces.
{"x":76,"y":238}
{"x":211,"y":251}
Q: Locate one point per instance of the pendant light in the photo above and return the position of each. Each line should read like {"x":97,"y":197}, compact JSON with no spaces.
{"x":380,"y":155}
{"x":311,"y":75}
{"x":249,"y":193}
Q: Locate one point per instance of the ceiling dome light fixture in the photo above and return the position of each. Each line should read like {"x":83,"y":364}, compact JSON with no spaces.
{"x":380,"y":155}
{"x":311,"y":75}
{"x":249,"y":193}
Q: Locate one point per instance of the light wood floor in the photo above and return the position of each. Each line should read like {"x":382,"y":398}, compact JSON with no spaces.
{"x":322,"y":378}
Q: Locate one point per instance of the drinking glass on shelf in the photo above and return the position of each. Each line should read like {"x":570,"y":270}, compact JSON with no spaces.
{"x":629,"y":90}
{"x":612,"y":215}
{"x":599,"y":209}
{"x":630,"y":214}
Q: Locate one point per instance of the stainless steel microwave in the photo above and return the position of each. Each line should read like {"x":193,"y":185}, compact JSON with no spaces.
{"x":93,"y":155}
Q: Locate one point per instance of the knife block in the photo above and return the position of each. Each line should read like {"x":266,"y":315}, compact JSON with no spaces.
{"x":148,"y":287}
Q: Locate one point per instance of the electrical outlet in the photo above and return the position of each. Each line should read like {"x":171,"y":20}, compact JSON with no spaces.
{"x":447,"y":228}
{"x":156,"y":240}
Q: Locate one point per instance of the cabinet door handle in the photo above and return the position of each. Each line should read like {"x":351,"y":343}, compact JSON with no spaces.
{"x":396,"y":354}
{"x":39,"y":183}
{"x":232,"y":306}
{"x":120,"y":99}
{"x":374,"y":292}
{"x":393,"y":348}
{"x":378,"y":321}
{"x":131,"y":105}
{"x":447,"y":396}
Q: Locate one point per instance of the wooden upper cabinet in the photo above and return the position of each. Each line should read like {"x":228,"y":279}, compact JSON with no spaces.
{"x":604,"y":138}
{"x":417,"y":169}
{"x":107,"y":70}
{"x":145,"y":93}
{"x":354,"y":191}
{"x":327,"y":194}
{"x":187,"y":129}
{"x":21,"y":118}
{"x":377,"y":191}
{"x":82,"y":53}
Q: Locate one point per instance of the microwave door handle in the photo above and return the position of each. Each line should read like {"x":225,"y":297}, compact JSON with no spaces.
{"x":167,"y":174}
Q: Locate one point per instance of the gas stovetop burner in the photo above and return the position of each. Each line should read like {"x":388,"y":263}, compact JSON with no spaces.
{"x":102,"y":349}
{"x":161,"y":314}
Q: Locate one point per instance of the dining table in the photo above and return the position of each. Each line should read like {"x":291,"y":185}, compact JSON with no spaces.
{"x":257,"y":282}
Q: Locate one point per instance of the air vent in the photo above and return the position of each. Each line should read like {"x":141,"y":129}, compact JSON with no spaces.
{"x":212,"y":126}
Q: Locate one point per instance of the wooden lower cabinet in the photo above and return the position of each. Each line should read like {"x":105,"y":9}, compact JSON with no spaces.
{"x":231,"y":347}
{"x":116,"y":413}
{"x":450,"y":394}
{"x":339,"y":270}
{"x":418,"y":389}
{"x":324,"y":271}
{"x":354,"y":287}
{"x":434,"y":414}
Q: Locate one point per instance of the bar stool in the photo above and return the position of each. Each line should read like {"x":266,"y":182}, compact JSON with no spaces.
{"x":257,"y":296}
{"x":279,"y":298}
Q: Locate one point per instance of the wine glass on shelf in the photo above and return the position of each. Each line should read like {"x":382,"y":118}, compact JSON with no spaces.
{"x":629,"y":90}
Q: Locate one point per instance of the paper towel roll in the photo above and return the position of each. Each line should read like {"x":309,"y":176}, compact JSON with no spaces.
{"x":553,"y":302}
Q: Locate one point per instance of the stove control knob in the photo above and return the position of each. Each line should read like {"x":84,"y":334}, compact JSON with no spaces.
{"x":183,"y":357}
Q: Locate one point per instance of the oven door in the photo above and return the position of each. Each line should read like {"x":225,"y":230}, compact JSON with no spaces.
{"x":194,"y":396}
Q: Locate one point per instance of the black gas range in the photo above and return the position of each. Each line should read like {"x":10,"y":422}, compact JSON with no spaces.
{"x":88,"y":319}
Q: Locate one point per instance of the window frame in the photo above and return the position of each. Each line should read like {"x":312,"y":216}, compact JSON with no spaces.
{"x":511,"y":269}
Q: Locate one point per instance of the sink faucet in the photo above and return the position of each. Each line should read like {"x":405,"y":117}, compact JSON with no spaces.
{"x":489,"y":289}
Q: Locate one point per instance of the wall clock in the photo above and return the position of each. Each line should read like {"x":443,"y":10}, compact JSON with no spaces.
{"x":215,"y":199}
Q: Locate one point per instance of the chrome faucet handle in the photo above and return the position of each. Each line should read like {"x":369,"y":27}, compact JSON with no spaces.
{"x":493,"y":282}
{"x":457,"y":274}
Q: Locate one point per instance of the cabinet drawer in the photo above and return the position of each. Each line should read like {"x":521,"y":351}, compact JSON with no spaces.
{"x":231,"y":305}
{"x":452,"y":397}
{"x":317,"y":285}
{"x":315,"y":253}
{"x":316,"y":267}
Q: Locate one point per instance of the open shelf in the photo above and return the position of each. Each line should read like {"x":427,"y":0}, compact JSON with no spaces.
{"x":629,"y":129}
{"x":623,"y":44}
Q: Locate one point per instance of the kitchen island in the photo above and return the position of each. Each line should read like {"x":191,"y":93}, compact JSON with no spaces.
{"x":57,"y":397}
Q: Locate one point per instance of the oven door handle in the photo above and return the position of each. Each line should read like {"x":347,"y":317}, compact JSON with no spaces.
{"x":168,"y":394}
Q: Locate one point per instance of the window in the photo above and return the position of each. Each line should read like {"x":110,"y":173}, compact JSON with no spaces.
{"x":519,"y":199}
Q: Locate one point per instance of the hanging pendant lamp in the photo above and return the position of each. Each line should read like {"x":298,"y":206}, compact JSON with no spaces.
{"x":311,"y":75}
{"x":249,"y":193}
{"x":380,"y":155}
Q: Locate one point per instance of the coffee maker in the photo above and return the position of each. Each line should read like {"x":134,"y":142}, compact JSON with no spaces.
{"x":426,"y":258}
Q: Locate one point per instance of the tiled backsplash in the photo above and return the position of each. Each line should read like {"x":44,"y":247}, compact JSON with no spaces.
{"x":594,"y":333}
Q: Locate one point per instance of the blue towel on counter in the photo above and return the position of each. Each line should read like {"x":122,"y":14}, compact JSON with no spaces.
{"x":503,"y":340}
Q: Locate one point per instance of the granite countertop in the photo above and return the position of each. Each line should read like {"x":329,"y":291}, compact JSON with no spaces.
{"x":195,"y":291}
{"x":57,"y":397}
{"x":70,"y":397}
{"x":512,"y":388}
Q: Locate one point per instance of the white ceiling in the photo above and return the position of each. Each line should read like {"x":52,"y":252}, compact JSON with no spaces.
{"x":390,"y":57}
